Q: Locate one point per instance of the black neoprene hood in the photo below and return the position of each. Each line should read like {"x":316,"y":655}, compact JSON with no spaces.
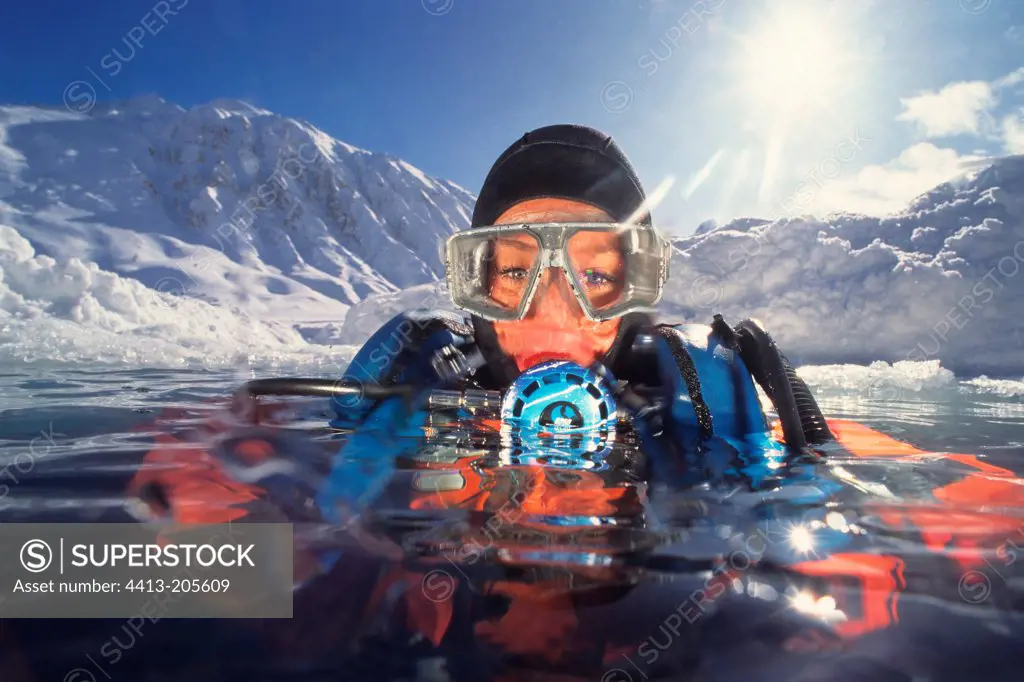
{"x":566,"y":162}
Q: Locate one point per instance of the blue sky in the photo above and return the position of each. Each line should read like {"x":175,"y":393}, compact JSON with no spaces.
{"x":733,"y":107}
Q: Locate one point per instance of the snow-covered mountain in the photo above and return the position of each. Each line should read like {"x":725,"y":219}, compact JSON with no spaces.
{"x":942,"y":280}
{"x":265,"y":219}
{"x":148,"y":234}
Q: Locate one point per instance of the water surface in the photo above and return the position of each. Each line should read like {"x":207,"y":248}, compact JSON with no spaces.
{"x":461,"y":559}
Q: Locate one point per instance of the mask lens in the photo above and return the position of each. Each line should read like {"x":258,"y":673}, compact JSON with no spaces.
{"x":614,"y":270}
{"x":491,"y":273}
{"x":513,"y":263}
{"x":598,"y":261}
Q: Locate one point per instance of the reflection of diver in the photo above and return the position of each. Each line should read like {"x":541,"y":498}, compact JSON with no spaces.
{"x":516,"y":581}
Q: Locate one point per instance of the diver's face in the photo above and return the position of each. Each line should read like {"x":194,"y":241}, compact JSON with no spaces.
{"x":555,"y":327}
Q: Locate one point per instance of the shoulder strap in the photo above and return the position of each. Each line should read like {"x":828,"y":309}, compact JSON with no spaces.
{"x":684,"y":365}
{"x":710,"y":389}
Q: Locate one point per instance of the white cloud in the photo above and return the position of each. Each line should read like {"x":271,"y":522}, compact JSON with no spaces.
{"x":954,"y":110}
{"x":1013,"y":135}
{"x":958,"y":108}
{"x":882,"y":189}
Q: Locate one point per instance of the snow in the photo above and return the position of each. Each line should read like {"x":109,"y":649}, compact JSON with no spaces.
{"x":879,"y":376}
{"x":73,"y":311}
{"x":885,"y":385}
{"x":367,"y":317}
{"x":247,"y":219}
{"x":939,"y":281}
{"x":145,"y":233}
{"x":1008,"y":388}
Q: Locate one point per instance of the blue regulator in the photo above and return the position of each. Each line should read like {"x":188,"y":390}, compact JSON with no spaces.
{"x":559,"y":414}
{"x":559,"y":397}
{"x":556,"y":413}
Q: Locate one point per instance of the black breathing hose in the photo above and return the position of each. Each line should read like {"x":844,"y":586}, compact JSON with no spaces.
{"x":815,"y":427}
{"x":802,"y":420}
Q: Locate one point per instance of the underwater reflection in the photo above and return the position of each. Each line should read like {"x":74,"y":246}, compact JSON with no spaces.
{"x":491,"y":554}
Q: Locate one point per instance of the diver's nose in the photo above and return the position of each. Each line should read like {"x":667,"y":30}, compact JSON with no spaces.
{"x":554,"y":299}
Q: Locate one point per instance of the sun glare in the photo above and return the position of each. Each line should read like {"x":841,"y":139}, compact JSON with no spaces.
{"x":795,"y":80}
{"x":793,"y":65}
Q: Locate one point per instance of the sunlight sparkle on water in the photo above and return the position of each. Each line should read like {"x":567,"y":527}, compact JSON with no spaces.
{"x":801,"y":539}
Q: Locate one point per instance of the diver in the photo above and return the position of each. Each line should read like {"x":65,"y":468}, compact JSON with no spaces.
{"x":561,"y":356}
{"x":560,"y":273}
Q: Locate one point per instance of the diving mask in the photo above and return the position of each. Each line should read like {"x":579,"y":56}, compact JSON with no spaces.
{"x":612,"y":268}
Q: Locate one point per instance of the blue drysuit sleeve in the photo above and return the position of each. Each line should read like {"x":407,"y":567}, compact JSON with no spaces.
{"x":399,"y":352}
{"x":709,"y":396}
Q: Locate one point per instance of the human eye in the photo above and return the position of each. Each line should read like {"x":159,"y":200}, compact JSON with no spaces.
{"x":592,"y":277}
{"x":514,"y":273}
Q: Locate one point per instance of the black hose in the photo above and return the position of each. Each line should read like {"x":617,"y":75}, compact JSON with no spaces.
{"x":323,"y":387}
{"x":764,"y":361}
{"x":812,"y":421}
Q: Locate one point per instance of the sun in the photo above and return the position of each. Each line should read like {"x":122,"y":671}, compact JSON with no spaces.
{"x":794,"y":65}
{"x":794,"y":80}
